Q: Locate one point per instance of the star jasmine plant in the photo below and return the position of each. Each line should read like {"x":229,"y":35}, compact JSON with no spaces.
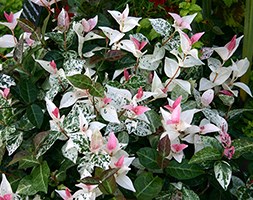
{"x":95,"y":107}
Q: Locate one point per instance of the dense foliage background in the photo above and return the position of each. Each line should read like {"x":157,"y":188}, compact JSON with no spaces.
{"x":220,"y":20}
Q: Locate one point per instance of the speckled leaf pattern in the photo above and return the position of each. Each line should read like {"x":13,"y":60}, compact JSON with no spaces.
{"x":161,"y":26}
{"x":223,"y":173}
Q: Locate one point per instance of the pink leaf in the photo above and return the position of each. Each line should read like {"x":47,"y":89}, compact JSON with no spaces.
{"x":112,"y":142}
{"x":140,"y":93}
{"x":231,"y":45}
{"x":175,"y":116}
{"x":120,"y":162}
{"x":229,"y":152}
{"x":178,"y":147}
{"x":196,"y":37}
{"x":9,"y":17}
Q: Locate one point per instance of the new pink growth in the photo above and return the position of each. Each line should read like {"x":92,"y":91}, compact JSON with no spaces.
{"x":68,"y":194}
{"x":226,"y":92}
{"x":231,"y":45}
{"x":9,"y":17}
{"x":120,"y":162}
{"x":195,"y":38}
{"x":174,"y":105}
{"x":63,"y":20}
{"x":175,"y":116}
{"x":106,"y":100}
{"x":229,"y":152}
{"x":138,"y":110}
{"x":90,"y":24}
{"x":53,"y":65}
{"x":112,"y":142}
{"x":139,"y":93}
{"x":225,"y":139}
{"x":138,"y":45}
{"x":5,"y":92}
{"x":178,"y":147}
{"x":126,"y":74}
{"x":6,"y":197}
{"x":56,"y":113}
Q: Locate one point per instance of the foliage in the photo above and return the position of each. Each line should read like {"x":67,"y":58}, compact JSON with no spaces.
{"x":115,"y":106}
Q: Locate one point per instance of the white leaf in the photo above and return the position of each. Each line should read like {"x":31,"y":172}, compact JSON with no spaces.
{"x":70,"y":98}
{"x":223,"y":173}
{"x":46,"y":65}
{"x":113,"y":35}
{"x":7,"y":41}
{"x":92,"y":36}
{"x":207,"y":97}
{"x":183,"y":84}
{"x":171,"y":68}
{"x":213,"y":64}
{"x":221,"y":75}
{"x":5,"y":187}
{"x":109,"y":114}
{"x":244,"y":87}
{"x":243,"y":66}
{"x":205,"y":84}
{"x":125,"y":182}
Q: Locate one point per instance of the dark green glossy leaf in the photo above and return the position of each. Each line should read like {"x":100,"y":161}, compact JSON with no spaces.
{"x":148,"y":157}
{"x":35,"y":115}
{"x":28,"y":91}
{"x":147,"y":186}
{"x":80,"y":81}
{"x":183,"y":170}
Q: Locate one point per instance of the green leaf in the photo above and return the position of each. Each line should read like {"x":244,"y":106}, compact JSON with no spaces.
{"x":36,"y":182}
{"x":242,"y":146}
{"x":147,"y":187}
{"x":28,"y":91}
{"x":61,"y":174}
{"x":189,"y":194}
{"x":183,"y":170}
{"x":108,"y":186}
{"x":35,"y":115}
{"x":148,"y":157}
{"x":205,"y":154}
{"x":28,"y":161}
{"x":44,"y":27}
{"x":235,"y":112}
{"x":80,"y":81}
{"x":90,"y":181}
{"x":40,"y":176}
{"x":228,"y":3}
{"x":223,"y":173}
{"x":25,"y":186}
{"x":97,"y":90}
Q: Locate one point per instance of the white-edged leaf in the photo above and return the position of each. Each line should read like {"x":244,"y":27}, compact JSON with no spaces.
{"x":171,"y":68}
{"x":109,"y":114}
{"x":185,"y":85}
{"x":223,"y":173}
{"x":205,"y":84}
